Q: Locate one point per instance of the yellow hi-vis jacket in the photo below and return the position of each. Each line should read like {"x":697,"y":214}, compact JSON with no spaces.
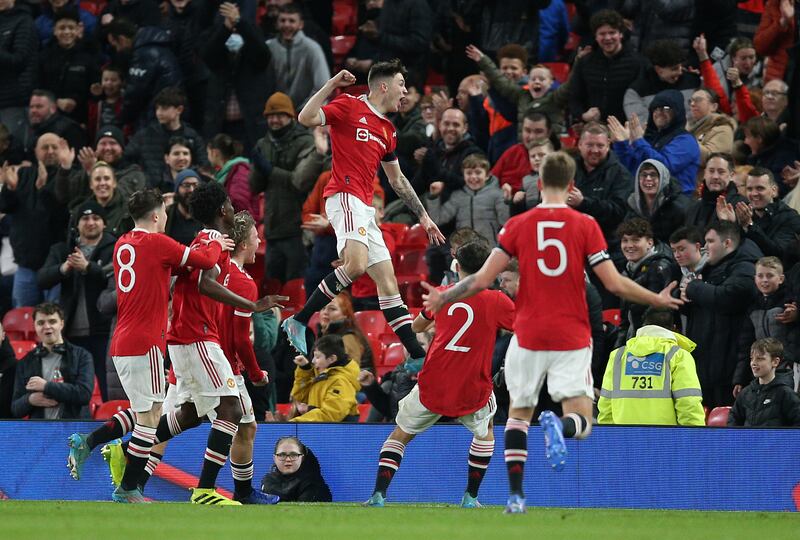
{"x":652,"y":380}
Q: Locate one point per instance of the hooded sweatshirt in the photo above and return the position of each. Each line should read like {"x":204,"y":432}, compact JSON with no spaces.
{"x":669,"y":208}
{"x":673,"y":145}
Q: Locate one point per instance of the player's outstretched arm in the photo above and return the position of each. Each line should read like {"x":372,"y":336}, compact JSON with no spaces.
{"x":434,"y":300}
{"x":621,"y":286}
{"x":209,"y":286}
{"x":403,"y":188}
{"x":309,"y":116}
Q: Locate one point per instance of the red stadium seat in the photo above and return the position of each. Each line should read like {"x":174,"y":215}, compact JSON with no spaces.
{"x":110,"y":408}
{"x":376,"y":346}
{"x":612,"y":316}
{"x":412,"y":263}
{"x":97,"y":400}
{"x":372,"y":323}
{"x":394,"y":355}
{"x":21,"y":348}
{"x":411,"y":290}
{"x":283,"y":408}
{"x":345,"y":17}
{"x":381,"y":371}
{"x":296,"y":291}
{"x":18,"y":324}
{"x":560,"y":70}
{"x":718,"y":417}
{"x":398,"y":230}
{"x":415,"y":238}
{"x":340,"y":47}
{"x":363,"y":411}
{"x":388,"y":338}
{"x":568,"y":141}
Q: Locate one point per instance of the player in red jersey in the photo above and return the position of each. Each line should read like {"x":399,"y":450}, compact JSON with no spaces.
{"x":552,"y":337}
{"x":143,"y":262}
{"x":205,"y":380}
{"x":361,"y":138}
{"x":456,"y":379}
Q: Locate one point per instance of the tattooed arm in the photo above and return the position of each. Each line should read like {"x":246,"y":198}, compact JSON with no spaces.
{"x":406,"y":193}
{"x":497,"y":262}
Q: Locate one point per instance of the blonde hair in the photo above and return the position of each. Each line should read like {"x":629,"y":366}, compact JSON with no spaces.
{"x":771,"y":262}
{"x":242,"y":223}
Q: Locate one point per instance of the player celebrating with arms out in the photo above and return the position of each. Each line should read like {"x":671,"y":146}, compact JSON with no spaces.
{"x":456,"y":379}
{"x":362,"y":137}
{"x":552,"y":336}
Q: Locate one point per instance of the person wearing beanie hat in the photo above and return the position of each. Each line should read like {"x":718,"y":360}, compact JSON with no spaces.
{"x":181,"y":226}
{"x":284,"y":166}
{"x":81,"y":267}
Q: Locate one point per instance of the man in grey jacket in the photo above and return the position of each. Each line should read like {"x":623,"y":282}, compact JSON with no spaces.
{"x":298,"y":64}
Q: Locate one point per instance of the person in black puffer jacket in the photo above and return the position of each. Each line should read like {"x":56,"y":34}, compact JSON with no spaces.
{"x":647,"y":266}
{"x":18,"y":52}
{"x":769,"y":400}
{"x":660,"y":19}
{"x":153,"y":66}
{"x":717,"y":180}
{"x":297,"y":478}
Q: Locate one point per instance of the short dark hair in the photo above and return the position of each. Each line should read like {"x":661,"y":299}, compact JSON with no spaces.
{"x":763,"y":128}
{"x":68,"y":13}
{"x":143,"y":202}
{"x":227,"y":145}
{"x":637,"y":226}
{"x":712,"y":94}
{"x":116,"y":69}
{"x":40,"y":92}
{"x":513,"y":266}
{"x":726,"y":230}
{"x":536,"y":116}
{"x":475,"y":161}
{"x":292,"y":9}
{"x":515,"y":51}
{"x":763,"y":171}
{"x":384,"y":70}
{"x":723,"y":155}
{"x":171,"y":96}
{"x":768,"y":345}
{"x":690,"y":234}
{"x":557,"y":169}
{"x":662,"y":317}
{"x":739,"y":43}
{"x":466,"y":235}
{"x":206,"y":202}
{"x":607,"y":17}
{"x":48,"y":308}
{"x":665,"y":53}
{"x":120,"y":26}
{"x":332,"y":344}
{"x":471,"y":256}
{"x":177,"y":140}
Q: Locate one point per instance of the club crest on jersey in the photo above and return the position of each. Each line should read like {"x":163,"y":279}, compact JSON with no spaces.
{"x":362,"y":231}
{"x":231,"y":383}
{"x":652,"y":364}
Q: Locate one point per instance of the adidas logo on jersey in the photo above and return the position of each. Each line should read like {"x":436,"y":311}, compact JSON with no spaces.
{"x":362,"y":120}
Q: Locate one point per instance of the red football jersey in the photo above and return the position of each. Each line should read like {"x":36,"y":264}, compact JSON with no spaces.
{"x":143,"y":263}
{"x":195,"y":316}
{"x":553,"y":243}
{"x":361,"y":138}
{"x":235,"y":324}
{"x":456,"y":377}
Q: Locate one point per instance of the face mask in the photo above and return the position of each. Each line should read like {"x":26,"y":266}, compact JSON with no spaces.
{"x":234,"y":43}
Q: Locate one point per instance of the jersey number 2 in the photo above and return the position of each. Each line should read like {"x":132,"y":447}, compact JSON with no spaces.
{"x":544,"y":243}
{"x":126,"y":268}
{"x":451,"y":346}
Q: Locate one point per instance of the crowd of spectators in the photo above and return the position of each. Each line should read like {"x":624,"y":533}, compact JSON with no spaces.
{"x":682,"y":117}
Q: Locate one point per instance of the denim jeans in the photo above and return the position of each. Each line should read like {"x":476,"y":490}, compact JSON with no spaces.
{"x":26,"y":292}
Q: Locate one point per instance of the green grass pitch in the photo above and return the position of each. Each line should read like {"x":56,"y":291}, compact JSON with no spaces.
{"x":57,"y":520}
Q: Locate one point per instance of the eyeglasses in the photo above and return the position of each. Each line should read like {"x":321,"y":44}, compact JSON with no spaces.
{"x":663,"y":109}
{"x":648,"y":174}
{"x":290,"y":455}
{"x":698,"y":99}
{"x":774,"y":93}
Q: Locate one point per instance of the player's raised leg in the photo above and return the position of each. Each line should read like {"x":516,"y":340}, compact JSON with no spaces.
{"x":395,"y":311}
{"x":81,"y":445}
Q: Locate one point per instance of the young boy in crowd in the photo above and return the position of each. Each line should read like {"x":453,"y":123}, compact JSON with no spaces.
{"x":769,"y":316}
{"x":529,"y":196}
{"x":105,"y":105}
{"x":479,"y":204}
{"x":769,"y":400}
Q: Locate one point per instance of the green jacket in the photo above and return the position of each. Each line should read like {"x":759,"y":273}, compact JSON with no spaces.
{"x":652,"y":380}
{"x":552,"y":104}
{"x":285,"y":167}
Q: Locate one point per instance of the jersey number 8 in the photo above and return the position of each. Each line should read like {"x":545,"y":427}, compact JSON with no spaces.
{"x":126,"y":268}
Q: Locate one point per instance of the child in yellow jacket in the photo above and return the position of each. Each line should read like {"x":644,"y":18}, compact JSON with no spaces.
{"x":325,"y":388}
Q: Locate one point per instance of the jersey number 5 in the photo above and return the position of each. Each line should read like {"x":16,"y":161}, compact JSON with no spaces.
{"x":544,"y":243}
{"x":126,"y":268}
{"x":451,"y":346}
